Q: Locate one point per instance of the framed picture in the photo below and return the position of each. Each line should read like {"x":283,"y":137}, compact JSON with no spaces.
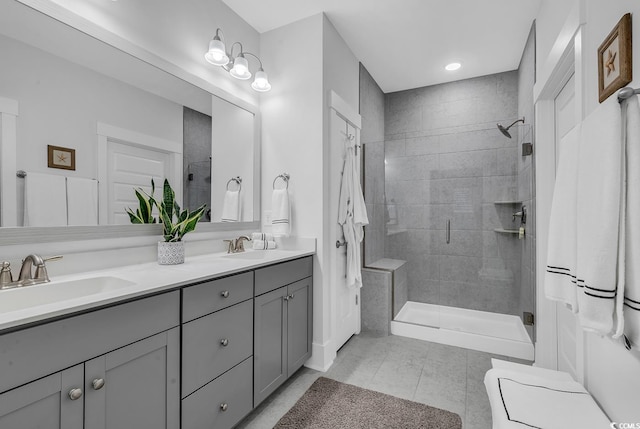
{"x":61,"y":157}
{"x":614,"y":59}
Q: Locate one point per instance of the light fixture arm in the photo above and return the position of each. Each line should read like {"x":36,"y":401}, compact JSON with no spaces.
{"x":219,"y":35}
{"x":254,"y":56}
{"x":233,"y":46}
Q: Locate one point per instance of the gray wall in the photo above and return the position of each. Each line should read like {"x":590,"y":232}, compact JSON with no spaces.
{"x":526,"y":174}
{"x":372,"y":140}
{"x":445,"y":159}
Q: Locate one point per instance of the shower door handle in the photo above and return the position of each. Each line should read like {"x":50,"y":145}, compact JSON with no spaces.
{"x":448,"y":231}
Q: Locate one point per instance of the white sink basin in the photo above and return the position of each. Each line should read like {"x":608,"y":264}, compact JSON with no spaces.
{"x":249,"y":254}
{"x":49,"y":293}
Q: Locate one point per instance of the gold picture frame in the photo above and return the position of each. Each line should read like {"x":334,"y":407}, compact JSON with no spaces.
{"x":614,"y":59}
{"x":61,"y":157}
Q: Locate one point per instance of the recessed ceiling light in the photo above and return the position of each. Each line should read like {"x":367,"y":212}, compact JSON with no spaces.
{"x":453,"y":66}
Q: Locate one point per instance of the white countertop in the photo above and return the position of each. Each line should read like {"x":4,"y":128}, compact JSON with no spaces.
{"x":146,"y":279}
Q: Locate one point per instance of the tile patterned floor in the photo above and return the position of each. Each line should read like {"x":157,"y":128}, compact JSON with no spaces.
{"x":441,"y":376}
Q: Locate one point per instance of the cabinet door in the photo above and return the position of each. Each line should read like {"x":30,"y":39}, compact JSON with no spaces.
{"x":299,"y":324}
{"x":45,"y":403}
{"x":137,"y":386}
{"x":270,"y":338}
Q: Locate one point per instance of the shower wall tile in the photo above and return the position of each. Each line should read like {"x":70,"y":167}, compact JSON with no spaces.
{"x":453,"y":168}
{"x":375,"y":296}
{"x":374,"y":172}
{"x":394,"y":148}
{"x":422,"y":145}
{"x":371,"y":108}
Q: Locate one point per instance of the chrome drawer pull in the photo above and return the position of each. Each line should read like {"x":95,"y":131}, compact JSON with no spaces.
{"x":224,"y":342}
{"x":75,"y":394}
{"x":224,"y":406}
{"x":291,"y":296}
{"x":224,"y":294}
{"x":97,"y":383}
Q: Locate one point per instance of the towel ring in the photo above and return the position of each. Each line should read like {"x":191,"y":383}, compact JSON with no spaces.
{"x":285,"y":177}
{"x":238,"y":181}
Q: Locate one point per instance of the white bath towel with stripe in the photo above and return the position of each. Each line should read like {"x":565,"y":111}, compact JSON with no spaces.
{"x":82,"y":201}
{"x":264,"y":236}
{"x":631,"y":303}
{"x":560,"y":276}
{"x":280,"y":213}
{"x":600,"y":184}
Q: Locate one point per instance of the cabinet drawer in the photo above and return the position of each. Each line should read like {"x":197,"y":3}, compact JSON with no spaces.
{"x":215,"y":295}
{"x":203,"y":409}
{"x":204,"y":357}
{"x":275,"y":276}
{"x":42,"y":350}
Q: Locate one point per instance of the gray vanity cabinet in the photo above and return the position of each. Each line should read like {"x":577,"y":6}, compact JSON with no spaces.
{"x":137,"y":386}
{"x":45,"y":403}
{"x":123,"y":369}
{"x":282,"y":324}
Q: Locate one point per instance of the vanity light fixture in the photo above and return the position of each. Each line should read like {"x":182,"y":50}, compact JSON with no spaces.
{"x":453,"y":66}
{"x":238,"y":65}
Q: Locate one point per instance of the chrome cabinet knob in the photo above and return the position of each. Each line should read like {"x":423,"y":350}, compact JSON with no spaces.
{"x":224,"y":406}
{"x":291,"y":296}
{"x":224,"y":342}
{"x":75,"y":394}
{"x":224,"y":294}
{"x":97,"y":383}
{"x":286,"y":297}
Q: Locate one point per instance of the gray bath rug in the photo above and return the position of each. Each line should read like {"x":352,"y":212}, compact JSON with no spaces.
{"x":329,"y":404}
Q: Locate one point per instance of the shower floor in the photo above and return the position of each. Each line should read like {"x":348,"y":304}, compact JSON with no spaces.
{"x":478,"y":330}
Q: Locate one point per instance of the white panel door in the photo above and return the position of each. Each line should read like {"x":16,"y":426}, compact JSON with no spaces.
{"x":347,"y":308}
{"x":130,"y":167}
{"x":566,"y":322}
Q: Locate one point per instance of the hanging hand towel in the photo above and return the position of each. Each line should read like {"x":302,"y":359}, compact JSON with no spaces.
{"x":598,"y":202}
{"x":560,"y":276}
{"x":45,"y":200}
{"x":263,"y":245}
{"x":280,"y":213}
{"x":82,"y":201}
{"x":352,"y":215}
{"x":231,"y":207}
{"x":631,"y":309}
{"x":264,"y":236}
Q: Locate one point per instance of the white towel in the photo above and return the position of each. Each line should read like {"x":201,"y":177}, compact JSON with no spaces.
{"x":600,"y":176}
{"x":280,"y":213}
{"x":265,"y":236}
{"x":263,"y":245}
{"x":45,"y":200}
{"x":352,"y":215}
{"x":521,"y":399}
{"x":82,"y":201}
{"x":231,"y":206}
{"x":560,"y":276}
{"x":631,"y":309}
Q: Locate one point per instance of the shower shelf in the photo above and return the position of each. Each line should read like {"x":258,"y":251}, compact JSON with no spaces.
{"x":507,"y":202}
{"x":507,"y":231}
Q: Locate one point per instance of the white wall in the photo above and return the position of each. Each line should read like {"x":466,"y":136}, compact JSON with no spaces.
{"x":611,"y":372}
{"x":308,"y":59}
{"x":175,"y":31}
{"x":292,"y":136}
{"x":61,"y":103}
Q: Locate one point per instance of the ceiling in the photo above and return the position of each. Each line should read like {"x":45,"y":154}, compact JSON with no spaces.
{"x":405,"y":44}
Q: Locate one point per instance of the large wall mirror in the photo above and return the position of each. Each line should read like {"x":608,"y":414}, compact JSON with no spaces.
{"x":126,"y":122}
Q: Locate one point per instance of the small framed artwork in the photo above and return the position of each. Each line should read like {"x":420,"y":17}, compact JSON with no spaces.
{"x":614,"y":59}
{"x":61,"y":157}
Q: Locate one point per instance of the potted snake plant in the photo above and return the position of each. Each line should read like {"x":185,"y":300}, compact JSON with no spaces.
{"x":176,"y":223}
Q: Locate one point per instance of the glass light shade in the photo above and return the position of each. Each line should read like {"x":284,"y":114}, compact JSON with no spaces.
{"x":240,"y":68}
{"x":216,"y":54}
{"x":261,"y":82}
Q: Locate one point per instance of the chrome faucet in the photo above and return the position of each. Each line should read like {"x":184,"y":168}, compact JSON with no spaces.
{"x":237,"y":245}
{"x":27,"y":277}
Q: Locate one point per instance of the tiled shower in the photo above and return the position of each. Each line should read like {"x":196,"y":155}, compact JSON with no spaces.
{"x":442,"y":185}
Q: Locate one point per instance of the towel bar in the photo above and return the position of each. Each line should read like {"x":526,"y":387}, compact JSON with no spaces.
{"x":627,"y":92}
{"x":21,"y":174}
{"x":285,"y":177}
{"x":238,"y":180}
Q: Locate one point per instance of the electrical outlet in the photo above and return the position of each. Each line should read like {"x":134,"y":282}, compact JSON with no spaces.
{"x":266,"y":218}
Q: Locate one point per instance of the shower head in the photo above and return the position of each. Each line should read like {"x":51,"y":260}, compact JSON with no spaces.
{"x":505,"y":130}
